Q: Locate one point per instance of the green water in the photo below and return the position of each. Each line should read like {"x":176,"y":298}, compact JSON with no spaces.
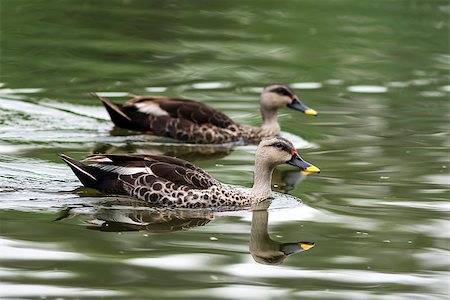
{"x":377,"y":73}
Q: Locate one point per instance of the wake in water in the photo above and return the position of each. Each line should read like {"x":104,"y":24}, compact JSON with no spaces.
{"x":52,"y":122}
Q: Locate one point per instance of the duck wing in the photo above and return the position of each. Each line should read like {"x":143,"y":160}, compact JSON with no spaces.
{"x":121,"y":174}
{"x":191,"y":110}
{"x":181,"y":119}
{"x":123,"y":158}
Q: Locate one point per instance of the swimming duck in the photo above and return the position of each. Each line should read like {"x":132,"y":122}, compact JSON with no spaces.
{"x":195,"y":122}
{"x":172,"y":182}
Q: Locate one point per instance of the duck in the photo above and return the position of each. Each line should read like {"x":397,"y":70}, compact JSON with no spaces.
{"x":172,"y":182}
{"x":191,"y":121}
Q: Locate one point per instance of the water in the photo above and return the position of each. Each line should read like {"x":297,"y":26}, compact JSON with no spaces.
{"x":377,"y":72}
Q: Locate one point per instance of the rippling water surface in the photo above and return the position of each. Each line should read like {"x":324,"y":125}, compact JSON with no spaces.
{"x":376,"y":71}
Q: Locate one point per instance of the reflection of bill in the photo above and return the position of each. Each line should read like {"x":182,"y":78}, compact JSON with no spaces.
{"x":286,"y":180}
{"x":126,"y":214}
{"x":123,"y":215}
{"x":263,"y":249}
{"x":167,"y":147}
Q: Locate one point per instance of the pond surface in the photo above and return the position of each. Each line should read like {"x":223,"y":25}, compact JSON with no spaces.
{"x":377,"y":73}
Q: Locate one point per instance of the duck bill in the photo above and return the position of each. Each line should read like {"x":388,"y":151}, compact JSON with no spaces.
{"x":298,"y":162}
{"x":291,"y":248}
{"x":298,"y":105}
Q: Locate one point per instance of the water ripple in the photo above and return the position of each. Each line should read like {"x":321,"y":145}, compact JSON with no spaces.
{"x":9,"y":290}
{"x":21,"y":250}
{"x":306,"y":85}
{"x":371,"y":89}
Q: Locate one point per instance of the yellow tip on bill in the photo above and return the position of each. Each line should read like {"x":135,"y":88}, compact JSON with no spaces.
{"x":311,"y":112}
{"x":312,"y":169}
{"x":306,"y":246}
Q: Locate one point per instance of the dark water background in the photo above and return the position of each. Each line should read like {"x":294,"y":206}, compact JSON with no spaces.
{"x":377,"y":72}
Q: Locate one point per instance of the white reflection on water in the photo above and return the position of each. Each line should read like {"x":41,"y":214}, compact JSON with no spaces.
{"x":349,"y":260}
{"x":421,"y":82}
{"x":240,"y":291}
{"x":334,"y":81}
{"x":20,"y":91}
{"x":445,"y":88}
{"x":306,"y":213}
{"x":436,"y":205}
{"x":43,"y":291}
{"x":186,"y":262}
{"x":358,"y":295}
{"x":432,"y":94}
{"x":367,"y":89}
{"x":397,"y":84}
{"x":16,"y":149}
{"x":306,"y":85}
{"x":439,"y":179}
{"x":254,"y":270}
{"x":46,"y":123}
{"x":432,"y":257}
{"x":156,"y":89}
{"x":255,"y":89}
{"x":113,"y":94}
{"x":24,"y":250}
{"x":211,"y":85}
{"x":438,"y":229}
{"x":9,"y":273}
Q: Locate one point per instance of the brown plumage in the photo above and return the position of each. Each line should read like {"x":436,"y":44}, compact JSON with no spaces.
{"x":195,"y":122}
{"x":173,"y":182}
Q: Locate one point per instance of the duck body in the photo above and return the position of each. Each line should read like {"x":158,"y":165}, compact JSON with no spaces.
{"x":195,"y":122}
{"x":158,"y":180}
{"x":172,"y":182}
{"x":181,"y":119}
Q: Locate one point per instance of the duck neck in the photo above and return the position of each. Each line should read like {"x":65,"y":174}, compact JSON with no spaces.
{"x":262,"y":180}
{"x":259,"y":236}
{"x":270,"y":120}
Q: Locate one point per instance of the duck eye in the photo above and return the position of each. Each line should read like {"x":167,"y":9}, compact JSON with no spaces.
{"x":281,"y":147}
{"x":281,"y":91}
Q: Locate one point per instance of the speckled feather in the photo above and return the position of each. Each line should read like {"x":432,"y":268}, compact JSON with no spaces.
{"x":181,"y":119}
{"x":159,"y":180}
{"x":172,"y":182}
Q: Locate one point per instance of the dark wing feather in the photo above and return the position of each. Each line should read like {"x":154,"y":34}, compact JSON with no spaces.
{"x":171,"y":169}
{"x":123,"y":158}
{"x":191,"y":110}
{"x":196,"y":112}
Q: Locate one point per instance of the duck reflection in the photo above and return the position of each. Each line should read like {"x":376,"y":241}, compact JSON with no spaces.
{"x":188,"y":152}
{"x":124,"y":215}
{"x":150,"y":219}
{"x":286,"y":180}
{"x":263,"y":249}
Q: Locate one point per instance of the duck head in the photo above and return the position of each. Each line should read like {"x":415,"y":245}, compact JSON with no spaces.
{"x":270,"y":153}
{"x":277,"y":150}
{"x":275,"y":96}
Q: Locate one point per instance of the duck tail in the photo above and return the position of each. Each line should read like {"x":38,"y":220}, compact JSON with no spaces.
{"x":84,"y":173}
{"x":115,"y":111}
